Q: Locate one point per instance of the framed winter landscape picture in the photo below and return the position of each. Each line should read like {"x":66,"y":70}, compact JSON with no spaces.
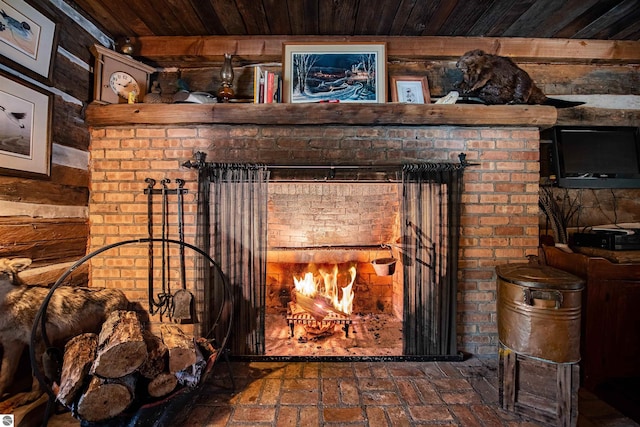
{"x":334,"y":72}
{"x":25,"y":123}
{"x":28,"y":40}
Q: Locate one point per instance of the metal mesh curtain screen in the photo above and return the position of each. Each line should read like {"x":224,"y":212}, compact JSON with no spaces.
{"x":430,"y":220}
{"x":232,"y":227}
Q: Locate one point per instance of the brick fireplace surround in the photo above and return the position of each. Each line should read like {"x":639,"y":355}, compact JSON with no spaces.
{"x":500,"y":198}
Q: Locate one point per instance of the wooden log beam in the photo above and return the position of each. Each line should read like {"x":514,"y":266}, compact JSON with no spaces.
{"x":316,"y":114}
{"x":199,"y":50}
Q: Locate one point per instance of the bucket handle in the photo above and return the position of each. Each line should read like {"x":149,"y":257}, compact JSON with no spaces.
{"x":384,"y":246}
{"x":529,"y":296}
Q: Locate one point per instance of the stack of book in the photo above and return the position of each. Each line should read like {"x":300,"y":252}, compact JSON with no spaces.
{"x":267,"y":86}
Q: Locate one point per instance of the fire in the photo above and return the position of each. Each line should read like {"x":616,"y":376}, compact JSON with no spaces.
{"x":325,"y":287}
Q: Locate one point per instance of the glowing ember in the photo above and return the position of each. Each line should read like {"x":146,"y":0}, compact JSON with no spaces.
{"x":325,"y":287}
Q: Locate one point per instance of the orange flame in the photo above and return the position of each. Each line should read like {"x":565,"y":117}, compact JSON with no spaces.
{"x":326,"y":285}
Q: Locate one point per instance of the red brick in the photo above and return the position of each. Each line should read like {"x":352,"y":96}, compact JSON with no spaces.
{"x":343,"y":415}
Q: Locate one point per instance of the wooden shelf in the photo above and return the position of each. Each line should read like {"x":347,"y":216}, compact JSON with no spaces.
{"x":99,"y":115}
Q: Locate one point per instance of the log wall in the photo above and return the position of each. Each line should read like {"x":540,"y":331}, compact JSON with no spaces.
{"x":46,"y":219}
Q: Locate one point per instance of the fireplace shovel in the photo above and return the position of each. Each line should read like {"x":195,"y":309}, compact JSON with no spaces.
{"x":183,"y":307}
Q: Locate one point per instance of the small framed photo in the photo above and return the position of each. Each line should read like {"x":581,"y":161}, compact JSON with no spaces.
{"x":25,"y":128}
{"x":28,"y":40}
{"x":410,"y":90}
{"x":334,"y":72}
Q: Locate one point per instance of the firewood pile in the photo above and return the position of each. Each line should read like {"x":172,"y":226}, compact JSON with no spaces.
{"x":126,"y":366}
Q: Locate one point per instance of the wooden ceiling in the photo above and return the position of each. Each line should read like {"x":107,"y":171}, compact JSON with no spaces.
{"x":577,"y":19}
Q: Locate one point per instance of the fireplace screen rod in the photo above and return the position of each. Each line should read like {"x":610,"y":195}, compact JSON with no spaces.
{"x":337,"y":173}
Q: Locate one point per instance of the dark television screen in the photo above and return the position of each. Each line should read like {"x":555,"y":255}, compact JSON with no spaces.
{"x":601,"y":157}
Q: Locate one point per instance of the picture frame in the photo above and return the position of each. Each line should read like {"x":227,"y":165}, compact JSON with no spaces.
{"x":334,"y":72}
{"x":410,"y":89}
{"x":25,"y":128}
{"x":28,"y":41}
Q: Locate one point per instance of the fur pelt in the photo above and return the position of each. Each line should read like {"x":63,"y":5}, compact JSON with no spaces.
{"x":70,"y":312}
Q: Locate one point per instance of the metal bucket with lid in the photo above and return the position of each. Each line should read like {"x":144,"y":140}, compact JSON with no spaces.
{"x":539,"y":309}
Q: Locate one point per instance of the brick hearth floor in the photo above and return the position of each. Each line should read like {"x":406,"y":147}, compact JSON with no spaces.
{"x":366,"y":394}
{"x":369,"y":394}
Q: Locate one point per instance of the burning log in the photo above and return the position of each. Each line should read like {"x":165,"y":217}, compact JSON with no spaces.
{"x":121,"y":347}
{"x":318,"y":306}
{"x":79,"y":355}
{"x":105,"y":398}
{"x":181,"y":348}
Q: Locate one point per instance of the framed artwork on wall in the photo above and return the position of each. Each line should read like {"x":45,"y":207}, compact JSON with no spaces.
{"x":28,"y":40}
{"x":25,"y":128}
{"x":410,"y":90}
{"x":334,"y":72}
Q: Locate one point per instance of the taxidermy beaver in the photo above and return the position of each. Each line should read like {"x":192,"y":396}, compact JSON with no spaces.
{"x":498,"y":80}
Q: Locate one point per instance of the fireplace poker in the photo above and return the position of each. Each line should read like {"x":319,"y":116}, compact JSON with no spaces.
{"x":182,"y":299}
{"x":164,"y":300}
{"x":150,"y":184}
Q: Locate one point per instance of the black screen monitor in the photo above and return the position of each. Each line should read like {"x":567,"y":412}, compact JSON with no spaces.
{"x":597,"y":157}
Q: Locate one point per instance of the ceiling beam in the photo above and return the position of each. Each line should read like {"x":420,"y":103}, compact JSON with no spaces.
{"x":201,"y":50}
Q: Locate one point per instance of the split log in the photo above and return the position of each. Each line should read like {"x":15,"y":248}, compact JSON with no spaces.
{"x":181,"y":348}
{"x":79,"y":354}
{"x":121,"y":346}
{"x":163,"y":384}
{"x":156,"y":361}
{"x":106,"y":398}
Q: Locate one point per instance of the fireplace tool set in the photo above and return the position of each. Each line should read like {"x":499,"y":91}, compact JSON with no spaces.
{"x":179,"y":307}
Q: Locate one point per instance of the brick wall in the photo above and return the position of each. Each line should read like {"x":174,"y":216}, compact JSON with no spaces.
{"x":500,"y":200}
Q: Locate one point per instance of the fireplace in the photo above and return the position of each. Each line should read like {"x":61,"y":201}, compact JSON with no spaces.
{"x":499,"y":218}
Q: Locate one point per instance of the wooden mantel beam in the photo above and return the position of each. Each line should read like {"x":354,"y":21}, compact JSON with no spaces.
{"x":321,"y":114}
{"x":204,"y":50}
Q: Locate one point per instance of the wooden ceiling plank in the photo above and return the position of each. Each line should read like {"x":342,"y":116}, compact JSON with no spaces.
{"x":608,"y":19}
{"x":375,"y":17}
{"x":254,"y":17}
{"x":580,"y":21}
{"x":277,"y":17}
{"x":103,"y":17}
{"x":269,"y":48}
{"x":630,"y":32}
{"x":230,"y":17}
{"x":303,"y":16}
{"x":533,"y":18}
{"x":427,"y":17}
{"x":188,"y":16}
{"x":209,"y":17}
{"x":463,"y":17}
{"x":498,"y":12}
{"x":337,"y":17}
{"x":513,"y":11}
{"x":556,"y":21}
{"x":402,"y":16}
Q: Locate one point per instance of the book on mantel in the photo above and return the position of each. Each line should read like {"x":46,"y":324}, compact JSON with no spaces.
{"x":266,"y":86}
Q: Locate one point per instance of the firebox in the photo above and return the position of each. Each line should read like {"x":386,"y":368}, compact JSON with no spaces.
{"x":324,"y":296}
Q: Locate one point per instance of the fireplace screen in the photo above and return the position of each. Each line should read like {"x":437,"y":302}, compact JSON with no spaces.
{"x":232,"y":226}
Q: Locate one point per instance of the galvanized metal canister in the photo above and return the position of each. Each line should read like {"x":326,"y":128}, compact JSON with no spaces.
{"x":539,"y":309}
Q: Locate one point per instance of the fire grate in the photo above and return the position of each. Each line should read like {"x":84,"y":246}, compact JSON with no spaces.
{"x":295,"y":317}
